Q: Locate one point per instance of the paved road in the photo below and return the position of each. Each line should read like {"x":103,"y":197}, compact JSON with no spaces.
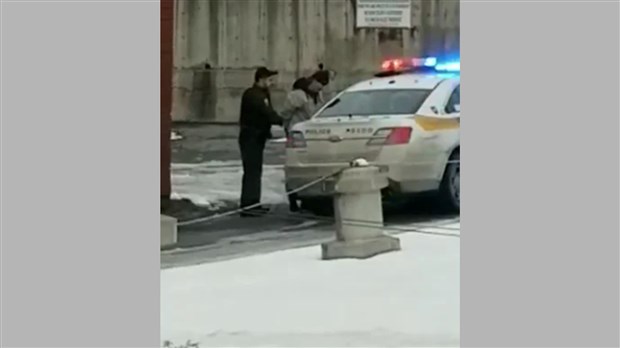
{"x":232,"y":236}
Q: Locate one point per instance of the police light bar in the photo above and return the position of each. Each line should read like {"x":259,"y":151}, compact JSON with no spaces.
{"x":430,"y":64}
{"x":449,"y":67}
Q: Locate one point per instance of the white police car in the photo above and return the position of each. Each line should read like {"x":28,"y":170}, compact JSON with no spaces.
{"x":406,"y":120}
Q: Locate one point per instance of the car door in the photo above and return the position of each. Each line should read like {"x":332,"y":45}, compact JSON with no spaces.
{"x":453,"y":106}
{"x":453,"y":110}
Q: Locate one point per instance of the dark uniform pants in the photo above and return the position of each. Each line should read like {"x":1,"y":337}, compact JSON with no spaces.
{"x":252,"y":146}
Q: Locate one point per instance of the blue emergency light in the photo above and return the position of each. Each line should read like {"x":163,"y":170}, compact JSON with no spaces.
{"x":426,"y":64}
{"x":448,"y":67}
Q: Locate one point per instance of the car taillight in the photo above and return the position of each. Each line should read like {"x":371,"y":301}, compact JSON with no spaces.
{"x":391,"y":136}
{"x":295,"y":140}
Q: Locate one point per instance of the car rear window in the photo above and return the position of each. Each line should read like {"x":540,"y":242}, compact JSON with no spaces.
{"x":376,"y":102}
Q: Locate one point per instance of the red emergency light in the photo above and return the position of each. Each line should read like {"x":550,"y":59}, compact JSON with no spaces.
{"x":396,"y":66}
{"x":400,"y":63}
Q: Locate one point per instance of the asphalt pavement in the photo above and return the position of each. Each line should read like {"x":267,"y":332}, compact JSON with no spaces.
{"x":232,"y":236}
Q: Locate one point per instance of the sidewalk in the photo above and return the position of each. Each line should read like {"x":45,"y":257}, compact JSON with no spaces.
{"x":292,"y":298}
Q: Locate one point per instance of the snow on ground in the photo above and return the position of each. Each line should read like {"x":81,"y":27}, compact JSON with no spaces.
{"x":292,"y":298}
{"x":213,"y":183}
{"x":279,"y":140}
{"x":175,"y":136}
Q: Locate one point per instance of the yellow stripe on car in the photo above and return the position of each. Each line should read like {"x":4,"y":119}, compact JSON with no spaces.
{"x":429,"y":123}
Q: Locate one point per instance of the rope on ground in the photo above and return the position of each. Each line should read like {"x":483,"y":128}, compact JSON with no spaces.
{"x":420,"y":228}
{"x":359,"y":223}
{"x":309,"y":217}
{"x":253,"y":206}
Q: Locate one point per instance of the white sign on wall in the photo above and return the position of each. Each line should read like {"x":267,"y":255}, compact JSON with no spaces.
{"x":383,"y":13}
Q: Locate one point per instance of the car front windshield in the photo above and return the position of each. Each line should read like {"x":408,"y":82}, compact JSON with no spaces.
{"x":376,"y":103}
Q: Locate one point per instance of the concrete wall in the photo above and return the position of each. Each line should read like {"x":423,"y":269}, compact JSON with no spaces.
{"x":292,"y":36}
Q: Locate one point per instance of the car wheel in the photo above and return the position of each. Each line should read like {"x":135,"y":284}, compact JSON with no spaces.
{"x":450,"y":189}
{"x":318,"y":206}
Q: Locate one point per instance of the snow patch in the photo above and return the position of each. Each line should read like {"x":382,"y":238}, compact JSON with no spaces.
{"x":292,"y":298}
{"x":175,"y":136}
{"x":214,"y":184}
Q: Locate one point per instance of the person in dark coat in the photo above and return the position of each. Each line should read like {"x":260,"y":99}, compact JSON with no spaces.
{"x":256,"y":118}
{"x":322,"y":75}
{"x":319,"y":80}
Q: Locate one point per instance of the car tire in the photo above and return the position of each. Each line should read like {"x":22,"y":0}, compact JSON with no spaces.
{"x":318,"y":206}
{"x":450,"y":189}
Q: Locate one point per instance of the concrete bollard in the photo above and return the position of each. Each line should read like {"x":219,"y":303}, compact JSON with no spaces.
{"x":168,"y":232}
{"x":359,"y":216}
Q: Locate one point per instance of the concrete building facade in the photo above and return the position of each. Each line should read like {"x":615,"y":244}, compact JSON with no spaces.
{"x":218,"y":44}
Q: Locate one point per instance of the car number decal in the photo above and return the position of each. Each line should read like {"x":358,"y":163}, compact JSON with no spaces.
{"x":359,"y":130}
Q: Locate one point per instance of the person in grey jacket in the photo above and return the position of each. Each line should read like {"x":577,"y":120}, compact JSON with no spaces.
{"x":298,"y":107}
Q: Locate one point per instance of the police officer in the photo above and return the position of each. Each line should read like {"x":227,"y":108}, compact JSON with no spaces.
{"x":257,"y":117}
